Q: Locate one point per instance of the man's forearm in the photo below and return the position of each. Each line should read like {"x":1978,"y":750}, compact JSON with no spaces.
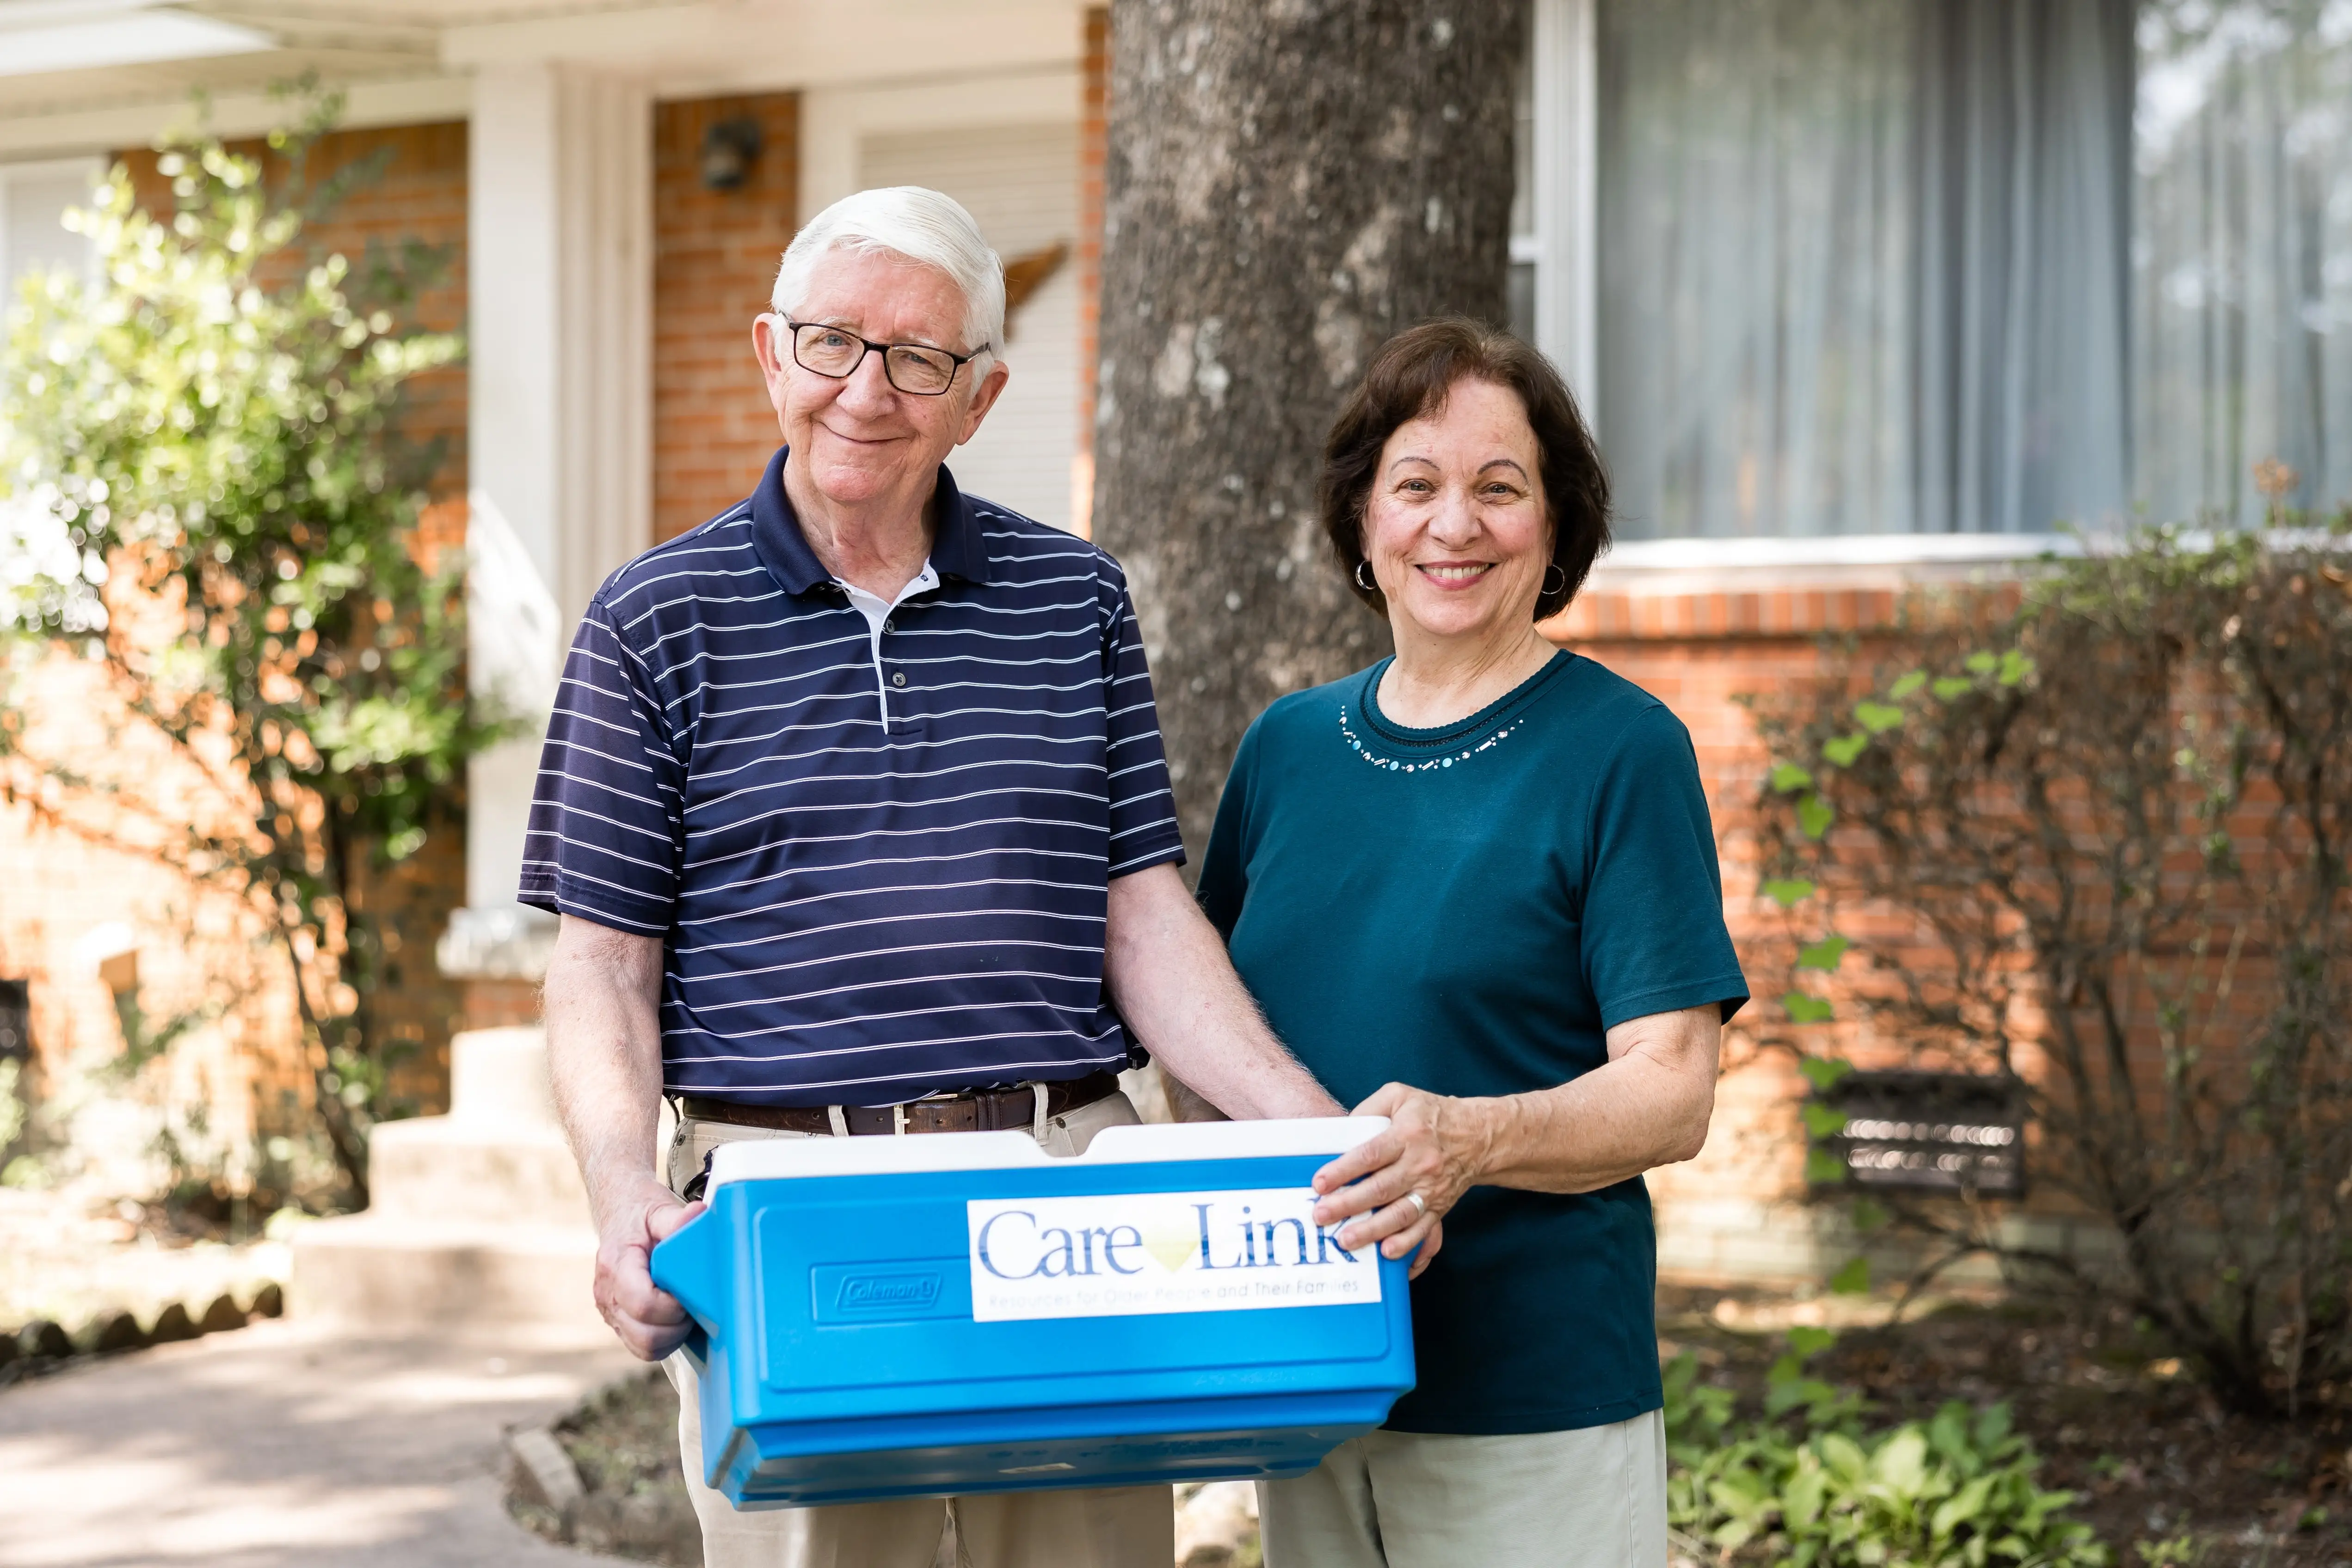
{"x":1172,"y":982}
{"x":604,"y":1050}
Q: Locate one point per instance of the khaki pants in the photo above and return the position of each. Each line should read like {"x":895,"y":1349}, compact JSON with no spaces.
{"x":1110,"y":1527}
{"x":1589,"y":1498}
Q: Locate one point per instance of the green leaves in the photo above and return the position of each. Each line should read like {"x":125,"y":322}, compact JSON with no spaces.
{"x":218,"y":414}
{"x":1822,"y":1121}
{"x":1823,"y":954}
{"x":2009,"y":667}
{"x":1812,"y":1485}
{"x":1787,"y":892}
{"x":1852,"y":1277}
{"x":1843,"y":750}
{"x":1823,"y":1072}
{"x":1802,"y":1008}
{"x":1906,"y":684}
{"x":1806,"y":1341}
{"x":1788,"y":778}
{"x":1877,"y":717}
{"x":1823,"y":1168}
{"x":1814,"y":816}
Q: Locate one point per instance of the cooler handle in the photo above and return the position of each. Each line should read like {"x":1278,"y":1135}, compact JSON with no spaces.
{"x":688,"y":1262}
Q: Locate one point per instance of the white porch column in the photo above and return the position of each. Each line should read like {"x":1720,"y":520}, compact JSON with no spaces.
{"x":560,"y":442}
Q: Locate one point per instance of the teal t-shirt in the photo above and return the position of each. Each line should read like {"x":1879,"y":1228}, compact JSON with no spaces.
{"x":1468,"y":910}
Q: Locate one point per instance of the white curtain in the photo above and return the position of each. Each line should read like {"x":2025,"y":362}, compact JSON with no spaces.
{"x":2242,"y":272}
{"x":2023,"y":188}
{"x":1755,"y":265}
{"x":1972,"y":265}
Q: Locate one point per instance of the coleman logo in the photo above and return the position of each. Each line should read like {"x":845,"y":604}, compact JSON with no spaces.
{"x":884,"y":1292}
{"x":1119,"y":1256}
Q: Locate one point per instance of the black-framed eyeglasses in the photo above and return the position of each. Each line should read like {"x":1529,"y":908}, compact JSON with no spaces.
{"x":836,"y":352}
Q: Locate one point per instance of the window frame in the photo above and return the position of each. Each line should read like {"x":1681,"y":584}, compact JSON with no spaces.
{"x":1564,"y":44}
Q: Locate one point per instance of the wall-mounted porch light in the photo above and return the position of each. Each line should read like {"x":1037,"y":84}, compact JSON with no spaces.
{"x":730,"y":148}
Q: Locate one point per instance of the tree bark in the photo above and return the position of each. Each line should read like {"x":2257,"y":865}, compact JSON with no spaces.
{"x":1288,"y":183}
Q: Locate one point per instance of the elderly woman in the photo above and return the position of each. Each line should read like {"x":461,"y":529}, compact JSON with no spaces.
{"x":1475,"y":889}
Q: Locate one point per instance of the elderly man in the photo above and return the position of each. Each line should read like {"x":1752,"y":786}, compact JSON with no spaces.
{"x":855,"y":811}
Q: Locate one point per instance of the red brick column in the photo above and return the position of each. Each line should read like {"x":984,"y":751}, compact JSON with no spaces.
{"x":715,"y":254}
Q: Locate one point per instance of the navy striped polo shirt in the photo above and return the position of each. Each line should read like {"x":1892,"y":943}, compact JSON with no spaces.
{"x":879,"y":861}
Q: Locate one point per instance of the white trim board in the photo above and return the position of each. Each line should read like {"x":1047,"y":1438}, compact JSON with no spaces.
{"x":1657,"y":567}
{"x":1650,"y":568}
{"x":704,"y":47}
{"x":141,"y":122}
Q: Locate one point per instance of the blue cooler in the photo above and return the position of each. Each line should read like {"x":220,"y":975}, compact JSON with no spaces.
{"x":922,"y":1316}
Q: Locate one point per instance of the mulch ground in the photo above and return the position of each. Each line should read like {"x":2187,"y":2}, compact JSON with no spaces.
{"x":623,"y":1442}
{"x":2160,"y":1470}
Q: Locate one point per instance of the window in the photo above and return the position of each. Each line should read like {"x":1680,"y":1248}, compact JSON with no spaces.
{"x":1933,"y":267}
{"x":34,"y":198}
{"x":1526,"y":246}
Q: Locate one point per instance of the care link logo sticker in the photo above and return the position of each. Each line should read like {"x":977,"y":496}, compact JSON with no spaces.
{"x":1127,"y":1254}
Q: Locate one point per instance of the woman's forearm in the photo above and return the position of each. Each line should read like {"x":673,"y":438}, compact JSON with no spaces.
{"x":1647,"y":1106}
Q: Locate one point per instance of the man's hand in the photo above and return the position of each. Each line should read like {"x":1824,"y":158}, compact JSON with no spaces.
{"x":648,"y":1319}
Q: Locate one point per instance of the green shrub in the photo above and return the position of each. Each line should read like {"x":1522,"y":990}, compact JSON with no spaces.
{"x":2090,"y":846}
{"x":207,"y":492}
{"x":1807,"y":1485}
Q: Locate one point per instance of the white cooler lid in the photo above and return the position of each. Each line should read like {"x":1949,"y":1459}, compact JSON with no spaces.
{"x":757,"y":1159}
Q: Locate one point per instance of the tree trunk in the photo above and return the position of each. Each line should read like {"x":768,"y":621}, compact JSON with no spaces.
{"x":1288,"y":183}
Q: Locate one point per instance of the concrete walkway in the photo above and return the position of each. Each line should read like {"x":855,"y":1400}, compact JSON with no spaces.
{"x":281,"y":1445}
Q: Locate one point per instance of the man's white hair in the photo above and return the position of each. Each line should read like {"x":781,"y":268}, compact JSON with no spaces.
{"x":923,"y":225}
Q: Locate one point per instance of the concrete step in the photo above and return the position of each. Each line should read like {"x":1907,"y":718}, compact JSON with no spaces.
{"x":446,"y":1277}
{"x":501,"y":1074}
{"x":471,"y":1171}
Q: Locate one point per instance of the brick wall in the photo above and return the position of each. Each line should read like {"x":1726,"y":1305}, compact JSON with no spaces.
{"x":196,"y":942}
{"x":1739,"y":1211}
{"x":1697,"y":654}
{"x":715,"y":254}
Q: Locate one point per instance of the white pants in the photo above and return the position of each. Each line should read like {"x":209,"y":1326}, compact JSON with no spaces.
{"x":1109,"y":1527}
{"x":1589,"y":1499}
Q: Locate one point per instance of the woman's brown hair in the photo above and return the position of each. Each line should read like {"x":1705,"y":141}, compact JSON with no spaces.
{"x":1410,"y":377}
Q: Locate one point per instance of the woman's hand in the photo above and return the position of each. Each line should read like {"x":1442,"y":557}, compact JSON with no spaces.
{"x":1435,"y":1146}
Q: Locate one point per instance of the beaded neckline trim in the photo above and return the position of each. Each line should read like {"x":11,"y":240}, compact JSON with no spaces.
{"x":1420,"y":765}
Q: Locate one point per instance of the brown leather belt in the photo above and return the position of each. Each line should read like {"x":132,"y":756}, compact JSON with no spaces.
{"x":980,"y":1111}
